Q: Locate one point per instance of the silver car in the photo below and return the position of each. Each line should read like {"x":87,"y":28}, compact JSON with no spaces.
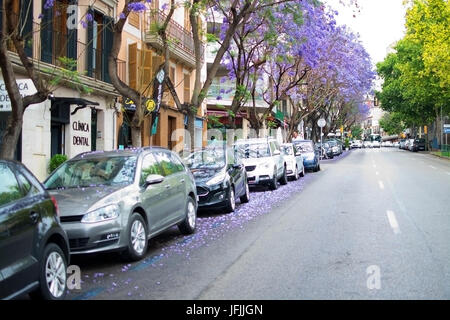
{"x":118,"y":200}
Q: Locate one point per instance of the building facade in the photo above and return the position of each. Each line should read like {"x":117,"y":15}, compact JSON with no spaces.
{"x":77,"y":35}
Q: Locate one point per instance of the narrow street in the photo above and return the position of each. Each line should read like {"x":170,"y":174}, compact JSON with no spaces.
{"x":315,"y":238}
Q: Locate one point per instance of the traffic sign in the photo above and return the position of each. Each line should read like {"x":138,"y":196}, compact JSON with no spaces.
{"x":321,"y":123}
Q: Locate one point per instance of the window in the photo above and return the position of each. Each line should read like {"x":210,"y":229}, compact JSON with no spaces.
{"x":168,"y":165}
{"x":9,"y":187}
{"x":99,"y":45}
{"x":187,"y":88}
{"x":59,"y":40}
{"x":150,"y":166}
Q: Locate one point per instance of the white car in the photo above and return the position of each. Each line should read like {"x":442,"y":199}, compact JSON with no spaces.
{"x":388,"y":144}
{"x":375,"y":144}
{"x":294,"y":161}
{"x":356,"y":144}
{"x":263,"y":161}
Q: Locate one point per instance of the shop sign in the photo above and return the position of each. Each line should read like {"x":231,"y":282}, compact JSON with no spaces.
{"x":26,"y":88}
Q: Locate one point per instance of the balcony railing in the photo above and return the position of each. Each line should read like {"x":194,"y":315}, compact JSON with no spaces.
{"x":179,"y":37}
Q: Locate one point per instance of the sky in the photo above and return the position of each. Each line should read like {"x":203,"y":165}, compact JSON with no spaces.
{"x":379,"y":23}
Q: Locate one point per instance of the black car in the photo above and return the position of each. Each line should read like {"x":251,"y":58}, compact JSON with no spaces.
{"x":34,"y":249}
{"x":220,"y":178}
{"x":418,"y":145}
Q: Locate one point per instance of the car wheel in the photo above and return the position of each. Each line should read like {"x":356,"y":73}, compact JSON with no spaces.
{"x":318,"y":167}
{"x":302,"y":174}
{"x":246,"y":197}
{"x":284,"y":179}
{"x":137,"y":239}
{"x":274,"y":183}
{"x":52,"y":275}
{"x":231,"y":203}
{"x":190,"y":222}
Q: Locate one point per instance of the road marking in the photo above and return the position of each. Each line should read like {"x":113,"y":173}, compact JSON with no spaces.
{"x":393,"y":222}
{"x":432,"y":167}
{"x":377,"y":173}
{"x":381,"y":184}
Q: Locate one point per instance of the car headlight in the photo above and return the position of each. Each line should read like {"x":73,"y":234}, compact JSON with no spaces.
{"x":220,"y":178}
{"x":109,"y":212}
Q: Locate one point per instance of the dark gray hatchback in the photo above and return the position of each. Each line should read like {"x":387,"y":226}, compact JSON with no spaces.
{"x":34,"y":249}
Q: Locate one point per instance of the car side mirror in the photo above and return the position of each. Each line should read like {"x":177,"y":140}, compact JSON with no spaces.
{"x":276,"y":153}
{"x":153,"y":179}
{"x":237,"y":166}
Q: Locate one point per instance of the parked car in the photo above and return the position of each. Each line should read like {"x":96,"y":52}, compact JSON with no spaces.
{"x":327,"y":150}
{"x":388,"y":144}
{"x":418,"y":145}
{"x":336,"y":147}
{"x":220,"y":178}
{"x":356,"y":144}
{"x":409,"y":144}
{"x":376,"y":144}
{"x":34,"y":249}
{"x":118,"y":200}
{"x":311,"y":156}
{"x":367,"y":144}
{"x":396,"y":144}
{"x":294,"y":161}
{"x":263,"y":161}
{"x":402,"y":144}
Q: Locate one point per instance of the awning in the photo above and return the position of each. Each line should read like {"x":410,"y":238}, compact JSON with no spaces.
{"x":221,"y":113}
{"x":82,"y":103}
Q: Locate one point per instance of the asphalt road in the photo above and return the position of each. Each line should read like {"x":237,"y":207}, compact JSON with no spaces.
{"x":373,"y":224}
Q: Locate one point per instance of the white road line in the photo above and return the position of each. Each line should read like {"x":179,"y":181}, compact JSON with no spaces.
{"x":432,"y":167}
{"x":381,"y":184}
{"x":393,"y":222}
{"x":377,"y":173}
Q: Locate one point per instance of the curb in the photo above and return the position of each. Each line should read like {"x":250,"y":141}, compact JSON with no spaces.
{"x":438,"y":156}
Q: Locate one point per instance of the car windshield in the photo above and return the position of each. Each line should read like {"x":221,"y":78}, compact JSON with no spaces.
{"x":304,"y":147}
{"x":287,"y":150}
{"x":254,"y":150}
{"x":332,"y":143}
{"x":206,"y":159}
{"x":93,"y":172}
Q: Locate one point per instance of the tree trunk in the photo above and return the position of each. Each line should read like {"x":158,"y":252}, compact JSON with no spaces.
{"x":136,"y":137}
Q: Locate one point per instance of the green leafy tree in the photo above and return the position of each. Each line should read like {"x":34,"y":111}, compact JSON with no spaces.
{"x":392,"y":123}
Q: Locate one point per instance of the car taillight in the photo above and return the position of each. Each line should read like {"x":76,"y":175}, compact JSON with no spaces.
{"x":55,"y":203}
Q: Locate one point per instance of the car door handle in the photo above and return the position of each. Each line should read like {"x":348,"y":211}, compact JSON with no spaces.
{"x":167,"y":186}
{"x":182,"y":180}
{"x":34,"y":216}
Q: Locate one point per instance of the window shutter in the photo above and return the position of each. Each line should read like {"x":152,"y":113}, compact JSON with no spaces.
{"x":90,"y":45}
{"x":107,"y":46}
{"x":47,"y":34}
{"x":146,"y":75}
{"x":132,"y":65}
{"x":26,"y":17}
{"x":187,"y":88}
{"x":72,"y":39}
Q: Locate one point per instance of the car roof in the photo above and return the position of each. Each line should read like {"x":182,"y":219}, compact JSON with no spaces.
{"x":295,"y":141}
{"x":116,"y":153}
{"x":255,"y":140}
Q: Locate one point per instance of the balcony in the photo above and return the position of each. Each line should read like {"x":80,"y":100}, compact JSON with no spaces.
{"x":181,"y":40}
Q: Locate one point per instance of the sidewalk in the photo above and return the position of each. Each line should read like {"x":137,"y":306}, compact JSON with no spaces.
{"x":435,"y":155}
